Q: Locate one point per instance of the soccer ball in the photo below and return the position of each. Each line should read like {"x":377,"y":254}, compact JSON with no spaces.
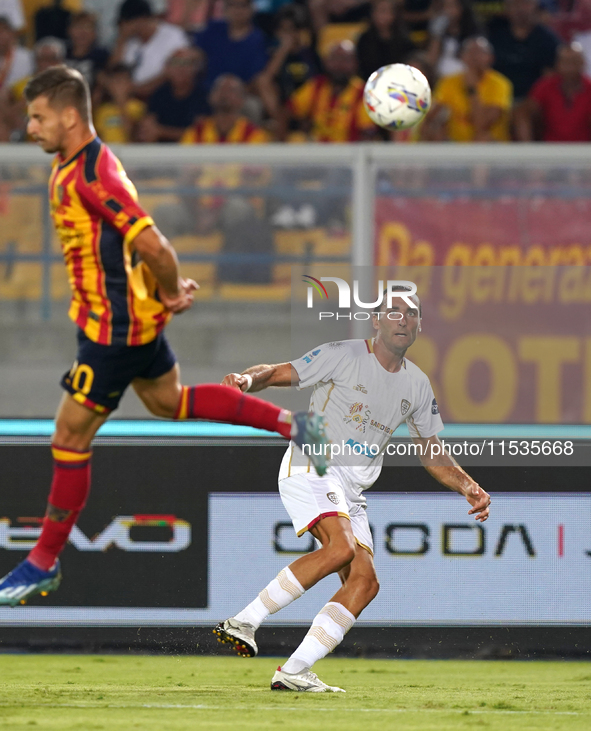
{"x":397,"y":96}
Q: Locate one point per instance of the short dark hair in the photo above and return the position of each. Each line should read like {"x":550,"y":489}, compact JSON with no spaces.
{"x":63,"y":87}
{"x":396,"y":288}
{"x":132,"y":9}
{"x":83,"y":17}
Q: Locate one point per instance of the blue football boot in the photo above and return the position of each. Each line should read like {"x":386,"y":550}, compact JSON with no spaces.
{"x":27,"y":580}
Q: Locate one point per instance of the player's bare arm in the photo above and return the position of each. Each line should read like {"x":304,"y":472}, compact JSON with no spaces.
{"x":156,"y":251}
{"x":259,"y":377}
{"x":448,"y":472}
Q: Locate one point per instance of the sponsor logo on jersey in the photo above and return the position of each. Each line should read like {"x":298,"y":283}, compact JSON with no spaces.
{"x":434,"y":407}
{"x":336,"y":344}
{"x":308,"y":358}
{"x":359,"y":416}
{"x":404,"y":407}
{"x":333,"y":497}
{"x":360,"y":387}
{"x":376,"y":426}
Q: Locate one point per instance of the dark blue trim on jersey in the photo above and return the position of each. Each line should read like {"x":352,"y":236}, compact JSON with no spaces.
{"x":65,"y":164}
{"x":93,"y":150}
{"x":111,"y":253}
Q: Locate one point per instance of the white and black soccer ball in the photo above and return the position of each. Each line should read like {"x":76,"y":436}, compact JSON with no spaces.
{"x":397,"y":96}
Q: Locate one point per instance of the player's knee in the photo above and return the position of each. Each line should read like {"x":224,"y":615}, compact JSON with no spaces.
{"x":367,"y":586}
{"x":341,"y":554}
{"x":373,"y":589}
{"x":68,"y":438}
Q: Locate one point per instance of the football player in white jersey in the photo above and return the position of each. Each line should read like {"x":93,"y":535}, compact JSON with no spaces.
{"x":365,"y":389}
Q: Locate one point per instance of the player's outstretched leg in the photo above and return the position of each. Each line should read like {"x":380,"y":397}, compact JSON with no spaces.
{"x":166,"y":397}
{"x":239,"y":631}
{"x":331,"y":624}
{"x":40,"y":572}
{"x":223,"y":403}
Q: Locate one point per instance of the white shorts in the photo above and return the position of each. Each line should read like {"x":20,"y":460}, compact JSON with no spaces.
{"x":309,"y":498}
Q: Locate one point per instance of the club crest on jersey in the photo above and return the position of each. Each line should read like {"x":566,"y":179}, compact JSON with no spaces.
{"x":434,"y":407}
{"x":360,"y":387}
{"x":359,"y":415}
{"x":404,"y":407}
{"x":333,"y":497}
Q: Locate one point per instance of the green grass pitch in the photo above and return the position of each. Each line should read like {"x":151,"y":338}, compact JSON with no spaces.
{"x":168,"y":693}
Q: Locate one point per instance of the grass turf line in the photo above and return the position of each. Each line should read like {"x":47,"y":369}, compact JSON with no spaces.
{"x":226,"y":693}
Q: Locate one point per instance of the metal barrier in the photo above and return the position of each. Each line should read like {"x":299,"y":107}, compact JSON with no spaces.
{"x":350,"y":182}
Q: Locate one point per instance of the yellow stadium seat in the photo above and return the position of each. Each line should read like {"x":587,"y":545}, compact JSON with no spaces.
{"x":255,"y":292}
{"x":198,"y":244}
{"x":30,"y":7}
{"x":24,"y":281}
{"x":335,"y":33}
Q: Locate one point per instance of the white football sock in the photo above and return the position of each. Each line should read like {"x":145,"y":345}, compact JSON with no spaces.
{"x":281,"y":592}
{"x":329,"y":627}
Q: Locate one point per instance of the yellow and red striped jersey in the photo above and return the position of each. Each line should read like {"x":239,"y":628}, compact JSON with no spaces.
{"x":336,"y":116}
{"x":205,"y":131}
{"x":96,"y":215}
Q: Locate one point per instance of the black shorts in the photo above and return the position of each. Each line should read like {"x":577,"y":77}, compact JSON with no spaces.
{"x":101,"y":373}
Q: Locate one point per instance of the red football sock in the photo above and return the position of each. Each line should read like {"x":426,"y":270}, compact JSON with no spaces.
{"x":223,"y":403}
{"x":69,"y":490}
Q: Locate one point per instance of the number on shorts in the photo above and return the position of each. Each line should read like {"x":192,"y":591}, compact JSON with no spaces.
{"x":88,"y":373}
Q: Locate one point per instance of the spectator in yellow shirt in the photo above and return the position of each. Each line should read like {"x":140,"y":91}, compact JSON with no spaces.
{"x":475,"y":105}
{"x":117,"y":118}
{"x":329,"y":108}
{"x":226,"y":124}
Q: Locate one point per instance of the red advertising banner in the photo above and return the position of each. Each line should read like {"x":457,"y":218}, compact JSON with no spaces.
{"x":464,"y":230}
{"x":500,"y":343}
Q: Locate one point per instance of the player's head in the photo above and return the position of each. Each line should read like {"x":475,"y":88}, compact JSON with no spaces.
{"x":58,"y":105}
{"x":397,"y":326}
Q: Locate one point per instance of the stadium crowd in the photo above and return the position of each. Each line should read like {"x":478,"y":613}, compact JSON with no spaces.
{"x":253,"y":71}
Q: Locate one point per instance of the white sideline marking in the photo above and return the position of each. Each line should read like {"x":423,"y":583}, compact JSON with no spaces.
{"x":205,"y":707}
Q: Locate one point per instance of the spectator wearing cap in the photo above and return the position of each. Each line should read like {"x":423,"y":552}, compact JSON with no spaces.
{"x":16,"y":62}
{"x":144,"y":44}
{"x":174,"y":106}
{"x":558,"y":108}
{"x":329,"y":107}
{"x":118,"y":115}
{"x":524,"y":48}
{"x":83,"y":53}
{"x":12,"y":10}
{"x":475,"y":105}
{"x":234,"y":45}
{"x":227,"y":123}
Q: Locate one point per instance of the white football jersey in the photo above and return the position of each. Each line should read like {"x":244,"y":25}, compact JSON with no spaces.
{"x":363,"y":404}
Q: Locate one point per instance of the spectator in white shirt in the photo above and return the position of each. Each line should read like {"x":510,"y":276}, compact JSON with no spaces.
{"x":16,"y":62}
{"x":144,"y":44}
{"x":107,"y":12}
